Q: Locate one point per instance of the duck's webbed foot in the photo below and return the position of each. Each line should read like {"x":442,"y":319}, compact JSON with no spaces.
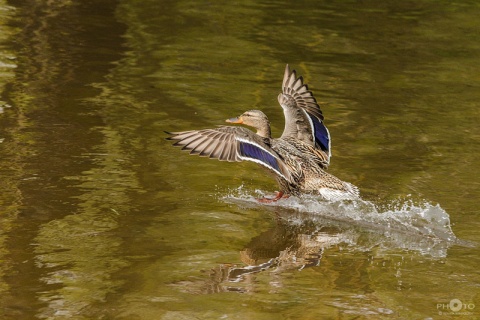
{"x":278,"y":195}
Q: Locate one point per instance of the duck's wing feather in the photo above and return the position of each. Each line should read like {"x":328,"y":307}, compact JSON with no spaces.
{"x":295,"y":94}
{"x":231,"y":144}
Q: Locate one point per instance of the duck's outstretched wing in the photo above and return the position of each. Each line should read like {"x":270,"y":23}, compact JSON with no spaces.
{"x":231,"y":144}
{"x":303,"y":117}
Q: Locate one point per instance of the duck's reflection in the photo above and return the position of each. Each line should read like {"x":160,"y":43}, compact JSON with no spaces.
{"x":301,"y":240}
{"x":283,"y":248}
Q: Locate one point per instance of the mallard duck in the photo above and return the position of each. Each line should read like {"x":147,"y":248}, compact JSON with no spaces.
{"x":298,"y":159}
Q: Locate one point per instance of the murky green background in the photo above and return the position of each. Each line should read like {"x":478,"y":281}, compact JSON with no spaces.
{"x":100,"y":218}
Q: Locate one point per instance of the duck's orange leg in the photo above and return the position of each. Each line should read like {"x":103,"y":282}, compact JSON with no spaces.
{"x":278,"y":195}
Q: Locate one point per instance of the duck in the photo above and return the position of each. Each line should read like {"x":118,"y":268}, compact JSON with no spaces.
{"x":298,"y":159}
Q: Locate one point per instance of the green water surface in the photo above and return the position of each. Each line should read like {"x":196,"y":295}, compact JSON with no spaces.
{"x":100,"y":218}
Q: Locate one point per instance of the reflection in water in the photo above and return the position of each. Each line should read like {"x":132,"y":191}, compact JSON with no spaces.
{"x":10,"y":170}
{"x":307,"y":229}
{"x":278,"y":250}
{"x":66,"y":177}
{"x":79,"y":252}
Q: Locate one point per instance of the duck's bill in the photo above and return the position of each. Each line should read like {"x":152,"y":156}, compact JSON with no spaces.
{"x":234,"y":120}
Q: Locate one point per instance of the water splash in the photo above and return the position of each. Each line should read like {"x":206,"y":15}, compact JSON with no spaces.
{"x":363,"y":225}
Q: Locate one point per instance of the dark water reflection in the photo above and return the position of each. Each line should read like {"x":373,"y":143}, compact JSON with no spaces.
{"x":101,"y":218}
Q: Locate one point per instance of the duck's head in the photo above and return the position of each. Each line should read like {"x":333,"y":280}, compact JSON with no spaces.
{"x":255,"y":119}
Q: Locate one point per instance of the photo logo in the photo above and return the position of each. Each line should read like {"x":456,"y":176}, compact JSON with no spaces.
{"x":455,"y":307}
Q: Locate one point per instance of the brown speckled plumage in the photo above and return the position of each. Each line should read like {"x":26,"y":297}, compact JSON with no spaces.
{"x":298,"y":158}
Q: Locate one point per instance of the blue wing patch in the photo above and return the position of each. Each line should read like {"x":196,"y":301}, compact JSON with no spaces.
{"x":322,"y":136}
{"x":256,"y":153}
